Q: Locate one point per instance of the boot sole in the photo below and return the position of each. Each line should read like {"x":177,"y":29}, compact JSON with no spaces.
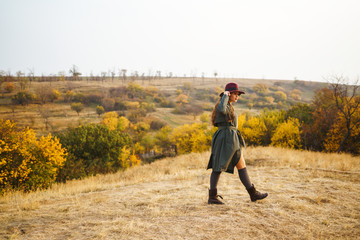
{"x":218,"y":203}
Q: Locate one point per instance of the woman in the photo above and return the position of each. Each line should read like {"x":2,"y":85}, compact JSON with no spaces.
{"x":225,"y":148}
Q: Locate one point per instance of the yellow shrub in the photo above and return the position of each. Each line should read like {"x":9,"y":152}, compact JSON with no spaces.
{"x":128,"y":159}
{"x":123,"y":123}
{"x":287,"y":134}
{"x":26,"y":162}
{"x":110,"y":119}
{"x":182,"y":99}
{"x":132,"y":105}
{"x":191,"y":138}
{"x":253,"y":130}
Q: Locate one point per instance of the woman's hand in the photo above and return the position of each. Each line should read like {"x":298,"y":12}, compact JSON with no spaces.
{"x":227,"y":93}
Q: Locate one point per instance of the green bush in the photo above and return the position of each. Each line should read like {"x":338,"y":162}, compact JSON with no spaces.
{"x":92,"y":149}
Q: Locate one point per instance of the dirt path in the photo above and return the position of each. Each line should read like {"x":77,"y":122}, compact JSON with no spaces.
{"x":302,"y":204}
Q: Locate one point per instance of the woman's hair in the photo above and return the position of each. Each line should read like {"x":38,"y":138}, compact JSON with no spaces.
{"x":230,"y":115}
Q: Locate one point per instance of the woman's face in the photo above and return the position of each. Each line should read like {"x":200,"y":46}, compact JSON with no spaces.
{"x":234,"y":97}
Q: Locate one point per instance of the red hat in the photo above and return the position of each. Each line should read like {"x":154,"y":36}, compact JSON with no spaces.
{"x":232,"y":87}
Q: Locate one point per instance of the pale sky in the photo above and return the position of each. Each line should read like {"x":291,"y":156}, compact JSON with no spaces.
{"x":273,"y":39}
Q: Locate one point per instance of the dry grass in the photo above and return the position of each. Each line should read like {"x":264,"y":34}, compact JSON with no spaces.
{"x":167,"y":200}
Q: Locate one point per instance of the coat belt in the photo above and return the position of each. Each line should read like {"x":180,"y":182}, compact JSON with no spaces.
{"x":225,"y":127}
{"x":242,"y":141}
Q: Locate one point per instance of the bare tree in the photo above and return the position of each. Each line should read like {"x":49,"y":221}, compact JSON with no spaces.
{"x":92,"y":78}
{"x":134,"y":75}
{"x":74,"y":72}
{"x":347,"y":101}
{"x":31,"y":75}
{"x":120,"y":73}
{"x":158,"y":73}
{"x":143,"y":78}
{"x":23,"y":81}
{"x":103,"y":76}
{"x":2,"y":79}
{"x":215,"y":75}
{"x":112,"y":72}
{"x":61,"y":75}
{"x":123,"y":75}
{"x":45,"y":114}
{"x":43,"y":93}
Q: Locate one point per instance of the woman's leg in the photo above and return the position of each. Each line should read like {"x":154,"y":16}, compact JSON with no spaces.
{"x":243,"y":174}
{"x":213,"y":197}
{"x":244,"y":178}
{"x":214,"y":179}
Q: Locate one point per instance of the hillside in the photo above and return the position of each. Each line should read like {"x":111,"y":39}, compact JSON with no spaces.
{"x":54,"y":116}
{"x":311,"y":195}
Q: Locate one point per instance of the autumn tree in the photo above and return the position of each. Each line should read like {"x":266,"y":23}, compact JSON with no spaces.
{"x":77,"y":107}
{"x":22,"y":97}
{"x":324,"y":116}
{"x":261,"y":88}
{"x":280,"y":96}
{"x":347,"y":103}
{"x":100,"y":110}
{"x":45,"y":94}
{"x":69,"y":95}
{"x":182,"y":99}
{"x":162,"y":139}
{"x":135,"y":90}
{"x":305,"y":114}
{"x":55,"y":95}
{"x":9,"y":87}
{"x":26,"y":162}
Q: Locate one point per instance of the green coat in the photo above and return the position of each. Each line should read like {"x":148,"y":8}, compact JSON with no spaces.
{"x":225,"y":146}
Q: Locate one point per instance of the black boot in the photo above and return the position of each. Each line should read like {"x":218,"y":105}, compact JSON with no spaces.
{"x":255,"y":195}
{"x":213,"y":197}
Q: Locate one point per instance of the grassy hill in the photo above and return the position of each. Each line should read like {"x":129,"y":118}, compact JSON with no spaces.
{"x":311,"y":196}
{"x":57,"y":116}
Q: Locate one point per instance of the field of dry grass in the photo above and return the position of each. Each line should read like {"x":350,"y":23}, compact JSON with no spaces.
{"x":311,"y":196}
